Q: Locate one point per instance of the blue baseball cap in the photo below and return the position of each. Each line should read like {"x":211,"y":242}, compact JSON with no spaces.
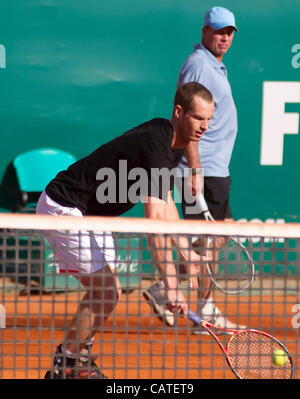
{"x":219,"y":18}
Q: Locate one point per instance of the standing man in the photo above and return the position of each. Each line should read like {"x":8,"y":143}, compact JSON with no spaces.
{"x":153,"y":146}
{"x":213,"y":152}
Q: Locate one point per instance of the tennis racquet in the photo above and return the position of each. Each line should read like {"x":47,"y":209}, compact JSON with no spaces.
{"x":231,"y":269}
{"x":250,"y":353}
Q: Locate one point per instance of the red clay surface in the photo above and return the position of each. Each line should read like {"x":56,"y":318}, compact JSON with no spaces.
{"x":137,"y":345}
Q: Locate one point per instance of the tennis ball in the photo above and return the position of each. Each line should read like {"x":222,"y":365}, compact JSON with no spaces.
{"x":280,"y":357}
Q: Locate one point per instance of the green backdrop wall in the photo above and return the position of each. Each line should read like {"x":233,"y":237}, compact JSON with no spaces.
{"x":74,"y":74}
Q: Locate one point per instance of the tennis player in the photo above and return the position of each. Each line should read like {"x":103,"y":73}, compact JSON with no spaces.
{"x":78,"y":191}
{"x":213,"y":153}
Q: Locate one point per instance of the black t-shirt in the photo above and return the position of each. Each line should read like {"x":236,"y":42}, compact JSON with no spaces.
{"x":109,"y":181}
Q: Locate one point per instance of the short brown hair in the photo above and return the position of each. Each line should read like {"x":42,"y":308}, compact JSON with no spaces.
{"x":185,"y":95}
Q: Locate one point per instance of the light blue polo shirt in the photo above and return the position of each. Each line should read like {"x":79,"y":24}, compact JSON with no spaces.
{"x":216,"y":145}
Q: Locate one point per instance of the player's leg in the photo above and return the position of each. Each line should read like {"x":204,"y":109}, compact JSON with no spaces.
{"x":73,"y":358}
{"x":102,"y":294}
{"x":97,"y":274}
{"x":91,"y":258}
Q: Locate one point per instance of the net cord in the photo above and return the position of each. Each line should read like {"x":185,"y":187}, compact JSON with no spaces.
{"x":143,"y":225}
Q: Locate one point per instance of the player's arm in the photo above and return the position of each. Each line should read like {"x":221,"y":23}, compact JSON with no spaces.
{"x":161,"y":249}
{"x":195,"y":179}
{"x":192,"y":260}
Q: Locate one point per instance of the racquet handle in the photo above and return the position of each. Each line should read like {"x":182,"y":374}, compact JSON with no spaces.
{"x":194,"y":317}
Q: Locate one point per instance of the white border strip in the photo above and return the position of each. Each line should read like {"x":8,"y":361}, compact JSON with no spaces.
{"x":142,"y":225}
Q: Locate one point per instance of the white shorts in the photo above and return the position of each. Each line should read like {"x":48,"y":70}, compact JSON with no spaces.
{"x":77,"y":251}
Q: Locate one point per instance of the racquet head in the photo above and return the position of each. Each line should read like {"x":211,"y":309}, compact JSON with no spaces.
{"x":252,"y":354}
{"x":231,"y":269}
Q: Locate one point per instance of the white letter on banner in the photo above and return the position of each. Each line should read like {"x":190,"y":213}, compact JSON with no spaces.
{"x":296,"y":58}
{"x":2,"y":316}
{"x":275,"y":121}
{"x":295,"y":319}
{"x":2,"y":56}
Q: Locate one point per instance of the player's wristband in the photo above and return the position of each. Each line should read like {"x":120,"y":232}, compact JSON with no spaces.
{"x":196,"y":171}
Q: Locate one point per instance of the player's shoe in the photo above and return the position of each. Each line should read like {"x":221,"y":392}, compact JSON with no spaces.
{"x":156,"y":298}
{"x":218,"y":320}
{"x":65,"y":367}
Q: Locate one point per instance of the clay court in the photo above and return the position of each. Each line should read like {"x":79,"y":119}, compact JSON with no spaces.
{"x":135,"y":345}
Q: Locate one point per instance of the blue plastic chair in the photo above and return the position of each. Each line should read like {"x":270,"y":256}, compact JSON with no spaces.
{"x":36,"y":168}
{"x":30,"y":172}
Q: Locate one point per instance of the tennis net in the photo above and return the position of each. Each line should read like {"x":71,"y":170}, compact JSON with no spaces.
{"x":38,"y":302}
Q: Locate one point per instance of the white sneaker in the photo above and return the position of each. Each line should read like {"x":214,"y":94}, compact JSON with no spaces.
{"x":156,"y":298}
{"x":218,"y":320}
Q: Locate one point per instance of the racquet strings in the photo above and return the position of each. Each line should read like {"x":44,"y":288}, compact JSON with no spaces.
{"x":231,"y":268}
{"x":251,"y":355}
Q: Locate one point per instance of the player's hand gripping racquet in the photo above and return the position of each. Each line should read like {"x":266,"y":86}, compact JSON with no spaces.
{"x":250,"y":353}
{"x":231,"y":269}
